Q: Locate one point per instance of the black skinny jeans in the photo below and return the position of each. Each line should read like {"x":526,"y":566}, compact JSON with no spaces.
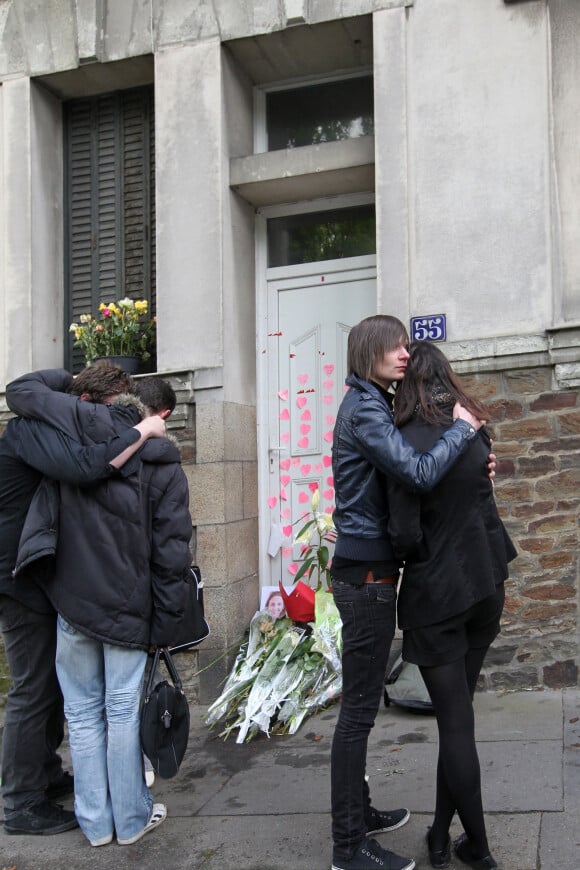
{"x":34,"y":720}
{"x":368,"y":615}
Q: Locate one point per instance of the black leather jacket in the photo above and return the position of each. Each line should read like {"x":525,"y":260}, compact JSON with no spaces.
{"x":368,"y":448}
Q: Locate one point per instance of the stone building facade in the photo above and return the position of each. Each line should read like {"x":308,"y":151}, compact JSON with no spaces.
{"x":470,"y":167}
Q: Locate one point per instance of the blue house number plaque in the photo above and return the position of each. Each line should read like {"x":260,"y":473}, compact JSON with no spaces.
{"x":432,"y":327}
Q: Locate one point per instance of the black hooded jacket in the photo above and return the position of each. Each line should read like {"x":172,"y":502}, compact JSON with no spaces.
{"x":123,"y":544}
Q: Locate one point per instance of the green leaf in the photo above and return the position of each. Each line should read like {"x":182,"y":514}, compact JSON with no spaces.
{"x":304,"y":568}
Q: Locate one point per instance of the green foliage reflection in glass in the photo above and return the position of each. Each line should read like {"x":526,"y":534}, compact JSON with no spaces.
{"x":325,"y":235}
{"x":326,"y":112}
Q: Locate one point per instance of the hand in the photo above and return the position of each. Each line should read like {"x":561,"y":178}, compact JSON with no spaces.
{"x":461,"y":413}
{"x":491,"y":463}
{"x":152,"y":427}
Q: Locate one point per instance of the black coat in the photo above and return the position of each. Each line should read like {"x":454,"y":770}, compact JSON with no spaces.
{"x":123,"y":557}
{"x":29,"y":449}
{"x":454,"y":544}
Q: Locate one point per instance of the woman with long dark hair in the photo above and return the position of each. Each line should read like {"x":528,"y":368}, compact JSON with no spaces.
{"x":456,"y":552}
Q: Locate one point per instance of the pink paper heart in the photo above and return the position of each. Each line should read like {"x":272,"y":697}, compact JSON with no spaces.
{"x":287,"y":552}
{"x":328,"y":436}
{"x":301,"y":401}
{"x":302,"y":379}
{"x":295,"y":460}
{"x":318,"y":467}
{"x":283,"y":394}
{"x":287,"y":531}
{"x":327,"y":400}
{"x":305,"y":469}
{"x":303,"y":443}
{"x":305,"y":428}
{"x":285,"y":514}
{"x":330,"y":420}
{"x":330,"y":481}
{"x":292,"y":568}
{"x":285,"y":437}
{"x":313,"y":486}
{"x":272,"y":501}
{"x":306,"y":415}
{"x":284,"y":415}
{"x":328,"y":370}
{"x":328,"y":494}
{"x":283,"y":496}
{"x":327,"y":461}
{"x":328,"y":385}
{"x":303,"y":497}
{"x":285,"y":479}
{"x":285,"y":464}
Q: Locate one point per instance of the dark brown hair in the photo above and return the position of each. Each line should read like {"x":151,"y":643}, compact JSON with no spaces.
{"x":369,"y":340}
{"x":100,"y":381}
{"x":157,"y":394}
{"x":430,"y":388}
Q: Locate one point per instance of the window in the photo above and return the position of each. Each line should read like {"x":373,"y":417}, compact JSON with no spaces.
{"x":325,"y":112}
{"x":110,"y":203}
{"x":321,"y":235}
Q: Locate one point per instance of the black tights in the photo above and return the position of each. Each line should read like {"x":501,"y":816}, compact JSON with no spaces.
{"x":451,"y":688}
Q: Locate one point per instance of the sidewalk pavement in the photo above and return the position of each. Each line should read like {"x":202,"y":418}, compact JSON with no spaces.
{"x":265,"y":805}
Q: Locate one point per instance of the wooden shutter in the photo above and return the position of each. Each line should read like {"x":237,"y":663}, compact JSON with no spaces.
{"x":110,"y":203}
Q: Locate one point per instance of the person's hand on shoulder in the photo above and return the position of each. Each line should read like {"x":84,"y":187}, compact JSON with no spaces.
{"x":461,"y":413}
{"x":152,"y":427}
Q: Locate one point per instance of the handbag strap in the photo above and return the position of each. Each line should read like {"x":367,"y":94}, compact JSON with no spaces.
{"x":171,"y":668}
{"x":152,"y":672}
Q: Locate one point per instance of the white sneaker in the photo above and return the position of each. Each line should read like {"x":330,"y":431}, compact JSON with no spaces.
{"x":104,"y":841}
{"x":158,"y":815}
{"x":148,"y":772}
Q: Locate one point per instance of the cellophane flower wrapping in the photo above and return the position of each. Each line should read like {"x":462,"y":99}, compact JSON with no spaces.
{"x":282,"y":674}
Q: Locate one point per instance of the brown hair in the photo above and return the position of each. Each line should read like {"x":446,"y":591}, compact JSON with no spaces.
{"x":157,"y":394}
{"x":100,"y":381}
{"x":430,"y":388}
{"x":370,"y":339}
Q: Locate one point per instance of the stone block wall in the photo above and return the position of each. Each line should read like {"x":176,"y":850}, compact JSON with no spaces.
{"x":536,"y":432}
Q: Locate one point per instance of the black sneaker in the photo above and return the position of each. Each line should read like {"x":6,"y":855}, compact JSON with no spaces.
{"x":42,"y":818}
{"x":379,"y":822}
{"x":60,"y":787}
{"x":371,"y":856}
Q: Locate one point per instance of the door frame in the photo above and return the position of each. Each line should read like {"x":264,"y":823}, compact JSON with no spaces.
{"x":263,"y":276}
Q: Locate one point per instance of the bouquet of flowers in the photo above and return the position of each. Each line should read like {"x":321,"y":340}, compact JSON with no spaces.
{"x":284,"y":672}
{"x":120,"y":329}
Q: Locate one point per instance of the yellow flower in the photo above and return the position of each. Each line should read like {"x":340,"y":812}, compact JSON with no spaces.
{"x":141,"y":305}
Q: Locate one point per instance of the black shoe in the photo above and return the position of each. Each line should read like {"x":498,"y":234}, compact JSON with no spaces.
{"x":378,"y":822}
{"x":371,"y":856}
{"x":462,"y":849}
{"x":439,"y":858}
{"x":61,"y":787}
{"x":42,"y":818}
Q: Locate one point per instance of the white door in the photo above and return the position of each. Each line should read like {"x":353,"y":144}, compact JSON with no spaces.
{"x":310,"y":310}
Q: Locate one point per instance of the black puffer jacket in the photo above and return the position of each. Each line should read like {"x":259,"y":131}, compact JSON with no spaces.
{"x":123,"y":545}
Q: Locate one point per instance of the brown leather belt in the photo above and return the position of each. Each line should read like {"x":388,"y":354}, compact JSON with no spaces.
{"x":370,"y":578}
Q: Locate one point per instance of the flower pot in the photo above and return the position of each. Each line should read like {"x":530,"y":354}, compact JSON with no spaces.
{"x":129,"y":364}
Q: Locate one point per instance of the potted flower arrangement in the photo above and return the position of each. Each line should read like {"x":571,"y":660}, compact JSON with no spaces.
{"x":120,"y":330}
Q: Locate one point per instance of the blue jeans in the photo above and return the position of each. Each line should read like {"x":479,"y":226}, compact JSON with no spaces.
{"x":368,"y":615}
{"x":101,"y":685}
{"x":34,"y":720}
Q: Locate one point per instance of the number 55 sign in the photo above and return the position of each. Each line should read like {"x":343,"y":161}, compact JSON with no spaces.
{"x":429,"y":328}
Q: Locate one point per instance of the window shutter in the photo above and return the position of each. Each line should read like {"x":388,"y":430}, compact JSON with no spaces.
{"x":110,"y":203}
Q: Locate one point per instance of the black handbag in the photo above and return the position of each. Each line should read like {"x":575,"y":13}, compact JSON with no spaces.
{"x":164,"y":719}
{"x":193,"y":628}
